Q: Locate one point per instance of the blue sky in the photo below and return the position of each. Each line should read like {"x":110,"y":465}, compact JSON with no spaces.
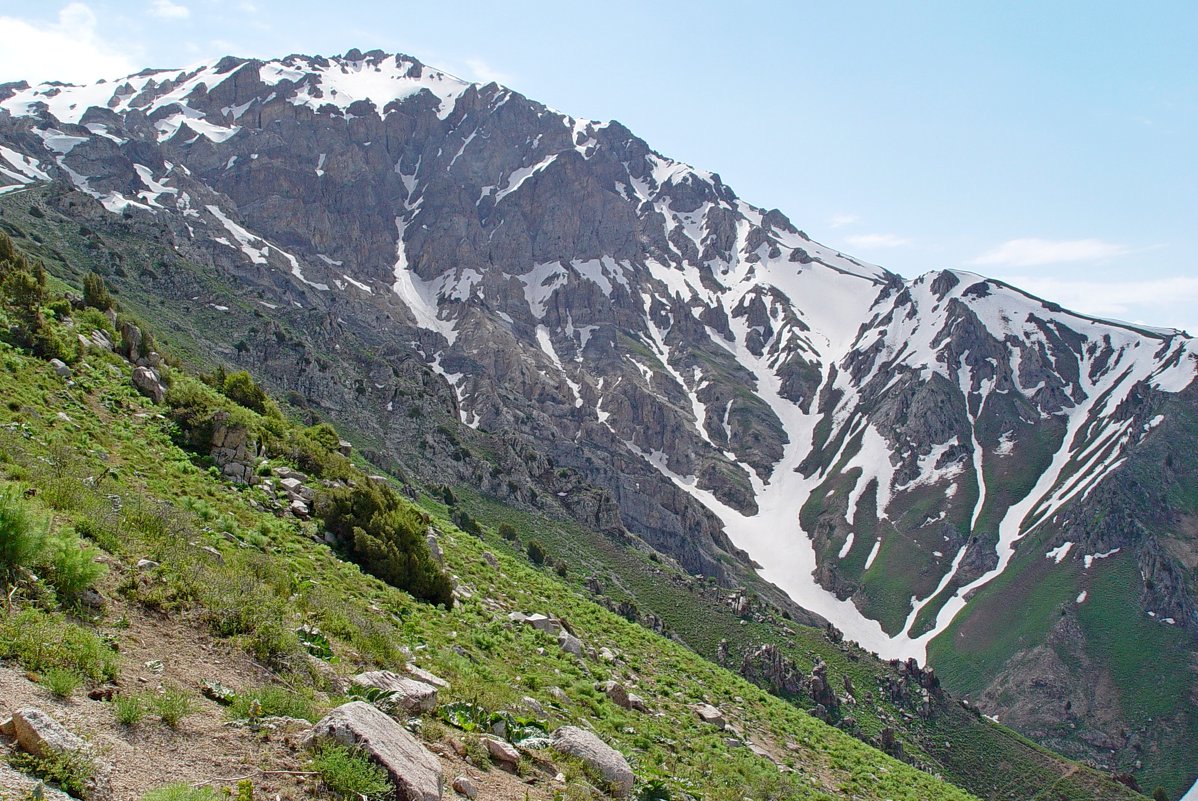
{"x":1051,"y":144}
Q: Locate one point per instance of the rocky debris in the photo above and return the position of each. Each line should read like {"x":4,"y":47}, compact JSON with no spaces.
{"x":490,"y":559}
{"x":299,"y":509}
{"x":888,"y":743}
{"x":569,"y":643}
{"x":709,"y":714}
{"x":463,"y":786}
{"x":596,"y":754}
{"x":146,"y":564}
{"x":768,"y":668}
{"x":345,"y":447}
{"x":39,"y":734}
{"x":616,"y":692}
{"x":60,"y":368}
{"x":607,"y":655}
{"x":411,"y":696}
{"x":502,"y":753}
{"x":821,"y":688}
{"x":423,"y":675}
{"x":148,"y":383}
{"x":413,"y":769}
{"x":540,"y":622}
{"x":233,"y":450}
{"x":533,"y":705}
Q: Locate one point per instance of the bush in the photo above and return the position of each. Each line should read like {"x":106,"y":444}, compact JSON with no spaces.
{"x":350,"y":774}
{"x":172,"y":705}
{"x":22,"y":538}
{"x":129,"y":710}
{"x":536,"y":552}
{"x":508,"y":532}
{"x":68,"y":771}
{"x":61,"y":681}
{"x":385,"y":536}
{"x":240,"y":388}
{"x":71,"y":567}
{"x":95,"y":292}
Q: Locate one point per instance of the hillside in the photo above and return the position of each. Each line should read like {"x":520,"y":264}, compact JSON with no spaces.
{"x":559,"y":323}
{"x":233,"y":575}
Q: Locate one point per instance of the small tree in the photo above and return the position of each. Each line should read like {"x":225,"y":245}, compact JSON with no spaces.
{"x":507,"y":531}
{"x":1159,"y":794}
{"x":95,"y":292}
{"x":536,"y":552}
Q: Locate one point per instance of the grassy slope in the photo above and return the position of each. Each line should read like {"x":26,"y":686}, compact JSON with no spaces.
{"x":685,"y":604}
{"x":110,"y":427}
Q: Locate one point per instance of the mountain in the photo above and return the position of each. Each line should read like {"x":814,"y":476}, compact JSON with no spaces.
{"x":944,"y":468}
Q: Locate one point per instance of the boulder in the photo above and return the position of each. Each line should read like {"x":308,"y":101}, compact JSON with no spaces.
{"x":709,"y":714}
{"x":502,"y":753}
{"x":411,"y":696}
{"x":463,"y":786}
{"x":434,"y":548}
{"x":544,"y":623}
{"x":345,"y":447}
{"x":616,"y":692}
{"x":413,"y":769}
{"x":41,"y":735}
{"x":569,"y":643}
{"x":490,"y":559}
{"x":423,"y":675}
{"x":596,"y":754}
{"x":60,"y":367}
{"x":24,"y":786}
{"x":637,"y":703}
{"x":149,"y":384}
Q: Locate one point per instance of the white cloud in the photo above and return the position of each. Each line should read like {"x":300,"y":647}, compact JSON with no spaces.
{"x":1168,"y":301}
{"x":1032,"y":252}
{"x":482,"y":72}
{"x":841,"y":220}
{"x":165,"y":9}
{"x":66,"y":50}
{"x":866,"y":241}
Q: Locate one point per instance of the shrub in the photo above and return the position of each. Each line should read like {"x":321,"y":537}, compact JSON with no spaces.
{"x":172,"y":705}
{"x":129,"y":710}
{"x":350,"y":774}
{"x":95,"y":292}
{"x":71,"y":567}
{"x":22,"y":538}
{"x":536,"y":552}
{"x":68,"y":771}
{"x":508,"y":532}
{"x":181,"y":792}
{"x":61,"y":681}
{"x":240,"y":388}
{"x":385,"y":536}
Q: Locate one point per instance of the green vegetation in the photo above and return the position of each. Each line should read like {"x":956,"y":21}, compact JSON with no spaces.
{"x":350,"y":774}
{"x":181,"y":792}
{"x":61,"y":681}
{"x":129,"y":709}
{"x":68,"y":772}
{"x":171,"y":705}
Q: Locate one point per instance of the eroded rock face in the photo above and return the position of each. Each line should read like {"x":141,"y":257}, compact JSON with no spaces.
{"x":415,"y":772}
{"x":601,"y":757}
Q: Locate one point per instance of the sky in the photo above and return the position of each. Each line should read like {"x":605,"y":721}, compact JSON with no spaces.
{"x":1053,"y":145}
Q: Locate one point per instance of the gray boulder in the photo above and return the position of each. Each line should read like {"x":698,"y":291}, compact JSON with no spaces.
{"x":41,"y":735}
{"x":596,"y":754}
{"x":60,"y":367}
{"x":569,"y":643}
{"x":413,"y":769}
{"x":411,"y":696}
{"x":149,"y":384}
{"x":709,"y":714}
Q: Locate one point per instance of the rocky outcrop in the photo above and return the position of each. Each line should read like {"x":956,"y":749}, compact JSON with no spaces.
{"x":37,"y":733}
{"x":410,"y":695}
{"x":234,"y":452}
{"x":414,"y":771}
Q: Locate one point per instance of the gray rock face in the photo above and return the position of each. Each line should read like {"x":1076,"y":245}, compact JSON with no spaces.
{"x":415,"y":772}
{"x":149,"y":384}
{"x":411,"y":696}
{"x":601,"y":757}
{"x":21,"y":784}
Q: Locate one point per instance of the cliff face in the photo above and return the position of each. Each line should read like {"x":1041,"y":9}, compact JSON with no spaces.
{"x":631,"y":342}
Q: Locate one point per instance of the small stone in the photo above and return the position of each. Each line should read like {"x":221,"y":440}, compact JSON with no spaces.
{"x":569,"y":643}
{"x":505,"y":754}
{"x":146,"y":564}
{"x":463,"y":786}
{"x":709,"y":714}
{"x":60,"y":367}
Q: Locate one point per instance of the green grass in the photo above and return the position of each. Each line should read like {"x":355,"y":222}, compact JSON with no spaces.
{"x":350,"y":775}
{"x":129,"y":709}
{"x":181,"y":792}
{"x":61,"y":682}
{"x":171,"y":704}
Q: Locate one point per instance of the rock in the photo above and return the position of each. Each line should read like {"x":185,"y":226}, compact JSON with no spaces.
{"x":637,"y":703}
{"x":490,"y":559}
{"x":41,"y":735}
{"x":606,"y":654}
{"x":434,"y":548}
{"x":60,"y":367}
{"x":616,"y":692}
{"x":502,"y":753}
{"x":544,"y":623}
{"x":463,"y":786}
{"x":149,"y":384}
{"x":146,"y":564}
{"x":559,"y":695}
{"x":598,"y":755}
{"x":131,"y":340}
{"x":414,"y":770}
{"x":91,"y":599}
{"x":411,"y":696}
{"x":426,"y":677}
{"x":299,"y":509}
{"x":517,"y":617}
{"x":533,"y":705}
{"x":709,"y":714}
{"x":569,"y":643}
{"x":345,"y":447}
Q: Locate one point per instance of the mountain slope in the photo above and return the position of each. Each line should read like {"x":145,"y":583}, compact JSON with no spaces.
{"x":732,"y":390}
